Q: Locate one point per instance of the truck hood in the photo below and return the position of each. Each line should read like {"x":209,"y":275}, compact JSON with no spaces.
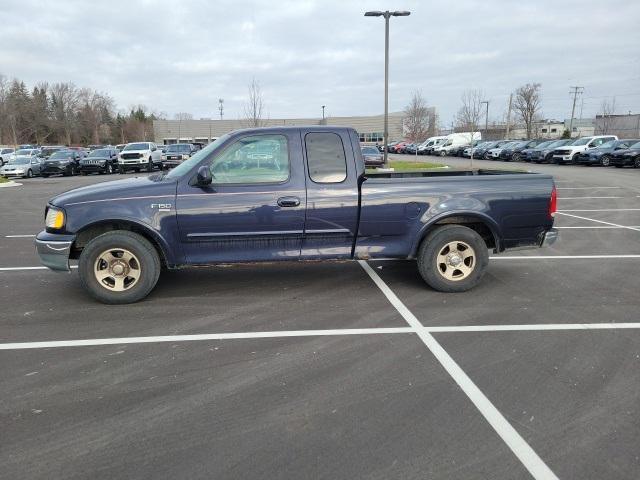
{"x":153,"y":185}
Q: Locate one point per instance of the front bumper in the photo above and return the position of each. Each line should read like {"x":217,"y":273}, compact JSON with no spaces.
{"x":92,"y":167}
{"x":623,"y":161}
{"x":54,"y":250}
{"x":548,"y":237}
{"x":13,"y":174}
{"x":56,"y":169}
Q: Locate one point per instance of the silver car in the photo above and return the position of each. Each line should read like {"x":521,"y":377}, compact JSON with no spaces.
{"x":25,"y":166}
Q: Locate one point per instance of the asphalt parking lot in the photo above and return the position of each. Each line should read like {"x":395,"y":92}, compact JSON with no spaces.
{"x":333,"y":370}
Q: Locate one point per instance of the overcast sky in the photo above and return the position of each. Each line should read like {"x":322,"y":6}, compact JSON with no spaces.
{"x":181,"y":56}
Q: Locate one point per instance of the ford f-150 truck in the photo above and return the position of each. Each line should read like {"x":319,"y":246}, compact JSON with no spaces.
{"x":291,"y":193}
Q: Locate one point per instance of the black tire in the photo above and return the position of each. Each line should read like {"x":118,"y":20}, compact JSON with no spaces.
{"x":605,"y":161}
{"x":574,"y":159}
{"x":437,"y":240}
{"x":120,"y":239}
{"x":121,"y":170}
{"x":516,"y":157}
{"x":45,"y":175}
{"x":29,"y":173}
{"x":486,"y":156}
{"x":636,"y":162}
{"x":443,"y":153}
{"x":109,"y":169}
{"x":84,"y":174}
{"x":150,"y":165}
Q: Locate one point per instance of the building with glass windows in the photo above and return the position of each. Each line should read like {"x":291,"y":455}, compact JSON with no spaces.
{"x":370,"y":128}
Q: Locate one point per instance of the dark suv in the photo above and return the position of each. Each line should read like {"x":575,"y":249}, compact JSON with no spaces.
{"x":62,"y":162}
{"x":602,"y":154}
{"x":627,"y":157}
{"x":102,"y":160}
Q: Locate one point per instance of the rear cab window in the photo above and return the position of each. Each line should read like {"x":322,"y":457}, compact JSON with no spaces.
{"x":326,"y":158}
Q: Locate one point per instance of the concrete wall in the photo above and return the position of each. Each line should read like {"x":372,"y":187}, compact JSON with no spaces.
{"x":169,"y":131}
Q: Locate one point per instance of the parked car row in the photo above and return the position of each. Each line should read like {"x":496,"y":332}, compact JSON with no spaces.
{"x":102,"y":159}
{"x":605,"y":150}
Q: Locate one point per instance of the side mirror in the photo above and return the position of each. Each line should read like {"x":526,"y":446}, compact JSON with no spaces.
{"x":204,"y":177}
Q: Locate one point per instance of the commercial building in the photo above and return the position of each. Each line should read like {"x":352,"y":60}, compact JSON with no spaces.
{"x":370,"y":128}
{"x":624,"y":126}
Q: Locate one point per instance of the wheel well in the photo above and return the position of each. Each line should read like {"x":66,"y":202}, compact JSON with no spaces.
{"x":474,"y":223}
{"x":89,"y":233}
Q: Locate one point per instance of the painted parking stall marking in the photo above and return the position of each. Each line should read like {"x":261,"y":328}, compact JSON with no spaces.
{"x":529,"y":458}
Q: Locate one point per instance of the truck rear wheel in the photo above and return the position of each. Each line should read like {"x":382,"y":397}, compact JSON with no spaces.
{"x":119,"y":267}
{"x":453,"y":258}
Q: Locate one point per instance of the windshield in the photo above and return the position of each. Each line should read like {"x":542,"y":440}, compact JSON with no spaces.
{"x":581,"y":141}
{"x":137,"y":146}
{"x":372,"y":150}
{"x":187,"y":165}
{"x":102,"y":152}
{"x":20,"y":161}
{"x":178,"y":148}
{"x":545,"y":144}
{"x":61,"y":155}
{"x":23,"y":152}
{"x":609,"y":144}
{"x":635,"y":145}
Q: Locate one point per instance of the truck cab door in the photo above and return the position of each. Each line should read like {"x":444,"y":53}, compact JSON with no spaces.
{"x":254,"y":209}
{"x":332,"y":193}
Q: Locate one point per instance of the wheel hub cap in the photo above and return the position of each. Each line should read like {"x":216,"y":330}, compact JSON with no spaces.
{"x":454,"y":259}
{"x":117,"y":269}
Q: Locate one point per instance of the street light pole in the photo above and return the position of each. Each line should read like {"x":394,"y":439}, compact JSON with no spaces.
{"x":387,"y":15}
{"x":323,"y":113}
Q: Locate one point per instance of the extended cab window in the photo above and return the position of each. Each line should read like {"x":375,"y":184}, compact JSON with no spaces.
{"x":325,"y":157}
{"x":253,"y":159}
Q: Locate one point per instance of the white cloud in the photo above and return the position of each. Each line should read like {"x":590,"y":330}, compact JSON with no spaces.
{"x":184,"y":56}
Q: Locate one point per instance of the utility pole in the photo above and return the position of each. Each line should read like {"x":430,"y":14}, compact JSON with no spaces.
{"x":575,"y":91}
{"x":221,"y":106}
{"x":506,"y":135}
{"x":486,"y":118}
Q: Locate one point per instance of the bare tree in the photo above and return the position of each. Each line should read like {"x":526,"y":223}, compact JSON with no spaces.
{"x":527,"y":103}
{"x":417,"y":118}
{"x":469,"y":115}
{"x":96,"y":110}
{"x":183,"y":116}
{"x":254,"y":108}
{"x":65,"y":99}
{"x":605,"y":123}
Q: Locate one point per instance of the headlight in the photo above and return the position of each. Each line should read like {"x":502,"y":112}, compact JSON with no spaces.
{"x":54,"y":219}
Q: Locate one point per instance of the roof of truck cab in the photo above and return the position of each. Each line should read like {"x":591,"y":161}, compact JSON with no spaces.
{"x":330,"y":128}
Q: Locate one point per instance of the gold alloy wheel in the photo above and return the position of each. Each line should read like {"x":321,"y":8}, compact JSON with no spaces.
{"x":456,"y":260}
{"x":117,"y":269}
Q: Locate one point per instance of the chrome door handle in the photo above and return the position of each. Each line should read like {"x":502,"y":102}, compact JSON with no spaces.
{"x":289,"y":201}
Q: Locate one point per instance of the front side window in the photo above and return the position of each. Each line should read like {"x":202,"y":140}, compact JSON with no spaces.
{"x":326,"y":158}
{"x":253,"y":159}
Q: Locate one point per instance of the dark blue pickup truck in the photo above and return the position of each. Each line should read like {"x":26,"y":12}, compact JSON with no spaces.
{"x":291,"y":193}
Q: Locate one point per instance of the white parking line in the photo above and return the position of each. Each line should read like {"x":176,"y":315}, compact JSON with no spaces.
{"x":509,"y":435}
{"x":207,"y":336}
{"x":534,"y":327}
{"x":583,"y":198}
{"x":592,"y":227}
{"x":599,"y":221}
{"x":560,"y":257}
{"x":19,"y":236}
{"x":604,"y":210}
{"x":582,"y":188}
{"x":16,"y":269}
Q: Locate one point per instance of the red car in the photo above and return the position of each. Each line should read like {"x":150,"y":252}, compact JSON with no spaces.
{"x":399,"y":147}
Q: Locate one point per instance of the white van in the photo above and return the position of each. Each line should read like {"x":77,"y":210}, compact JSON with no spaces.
{"x":428,"y":145}
{"x":456,"y":140}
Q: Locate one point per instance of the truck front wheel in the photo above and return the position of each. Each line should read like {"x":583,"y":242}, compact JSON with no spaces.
{"x":119,"y":267}
{"x":453,"y":258}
